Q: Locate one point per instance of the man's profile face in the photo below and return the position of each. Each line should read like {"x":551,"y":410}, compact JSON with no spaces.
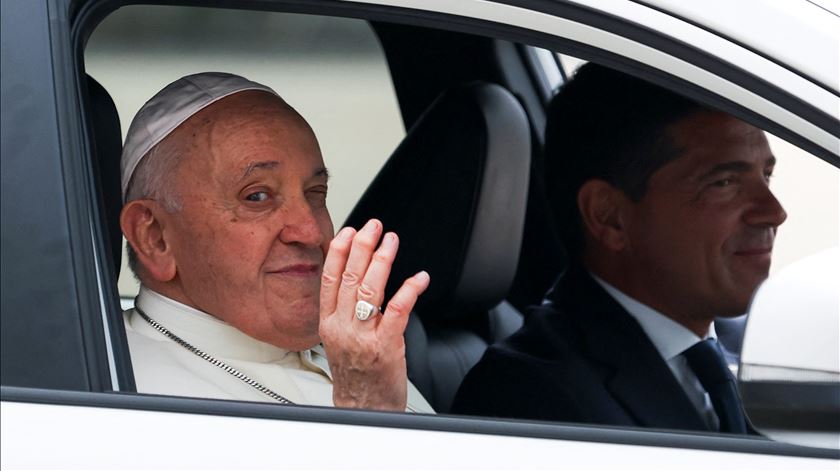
{"x":250,"y":241}
{"x":702,"y":236}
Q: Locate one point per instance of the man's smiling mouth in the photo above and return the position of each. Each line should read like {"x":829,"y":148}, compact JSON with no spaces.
{"x":297,"y":270}
{"x":757,"y":251}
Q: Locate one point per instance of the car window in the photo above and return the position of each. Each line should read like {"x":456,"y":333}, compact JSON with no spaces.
{"x":332,"y":70}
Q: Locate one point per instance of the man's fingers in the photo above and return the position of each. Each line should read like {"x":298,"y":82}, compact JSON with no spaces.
{"x":372,"y":288}
{"x":333,"y":268}
{"x":400,"y":306}
{"x":361,"y":251}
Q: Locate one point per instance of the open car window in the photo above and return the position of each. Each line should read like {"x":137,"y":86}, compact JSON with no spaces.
{"x":336,"y":73}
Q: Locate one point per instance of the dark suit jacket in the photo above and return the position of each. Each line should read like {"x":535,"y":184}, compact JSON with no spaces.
{"x":579,"y":358}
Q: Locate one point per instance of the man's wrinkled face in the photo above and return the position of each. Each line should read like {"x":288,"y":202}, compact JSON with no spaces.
{"x":253,"y":232}
{"x":702,"y":236}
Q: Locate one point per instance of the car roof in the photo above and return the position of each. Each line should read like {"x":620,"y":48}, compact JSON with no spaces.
{"x":781,"y":32}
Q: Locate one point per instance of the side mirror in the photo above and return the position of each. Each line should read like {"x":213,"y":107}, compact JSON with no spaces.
{"x":790,"y":361}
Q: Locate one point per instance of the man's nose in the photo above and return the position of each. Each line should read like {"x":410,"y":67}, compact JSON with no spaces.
{"x":299,"y":224}
{"x":767,"y":210}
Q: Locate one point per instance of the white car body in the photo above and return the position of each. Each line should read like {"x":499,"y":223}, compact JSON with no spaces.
{"x":155,"y":440}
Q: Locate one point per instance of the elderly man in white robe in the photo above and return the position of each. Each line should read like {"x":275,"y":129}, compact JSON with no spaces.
{"x":245,"y":293}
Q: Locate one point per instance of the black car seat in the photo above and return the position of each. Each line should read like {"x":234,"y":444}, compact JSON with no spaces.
{"x":455,"y":192}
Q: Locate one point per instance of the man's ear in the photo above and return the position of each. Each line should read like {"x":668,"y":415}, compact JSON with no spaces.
{"x":143,"y":228}
{"x":600,"y":205}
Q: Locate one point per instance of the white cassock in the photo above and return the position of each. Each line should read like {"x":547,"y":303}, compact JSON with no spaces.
{"x":163,"y":367}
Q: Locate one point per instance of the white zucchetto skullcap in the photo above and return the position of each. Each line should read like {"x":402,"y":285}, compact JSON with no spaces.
{"x":172,"y":106}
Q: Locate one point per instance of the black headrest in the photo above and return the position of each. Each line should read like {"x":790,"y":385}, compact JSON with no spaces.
{"x":455,"y":192}
{"x":107,"y":147}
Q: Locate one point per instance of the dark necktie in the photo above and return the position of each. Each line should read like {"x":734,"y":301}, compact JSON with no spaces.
{"x":707,"y":361}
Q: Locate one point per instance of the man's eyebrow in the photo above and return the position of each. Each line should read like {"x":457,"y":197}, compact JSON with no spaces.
{"x":735,"y":166}
{"x":262,"y":165}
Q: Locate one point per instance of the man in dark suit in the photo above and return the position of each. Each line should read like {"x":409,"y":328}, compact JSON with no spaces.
{"x":665,"y":209}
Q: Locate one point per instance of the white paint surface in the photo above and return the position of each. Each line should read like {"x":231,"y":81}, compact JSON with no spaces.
{"x":41,"y":437}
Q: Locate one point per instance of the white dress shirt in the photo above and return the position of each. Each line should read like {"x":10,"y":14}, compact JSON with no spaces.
{"x":163,"y":367}
{"x":670,"y":339}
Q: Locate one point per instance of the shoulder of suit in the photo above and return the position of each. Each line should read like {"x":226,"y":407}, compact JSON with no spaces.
{"x":547,"y":332}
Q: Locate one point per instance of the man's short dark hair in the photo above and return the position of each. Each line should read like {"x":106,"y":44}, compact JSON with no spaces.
{"x":604,"y":124}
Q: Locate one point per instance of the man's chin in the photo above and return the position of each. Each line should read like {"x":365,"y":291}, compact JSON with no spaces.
{"x":755,"y":266}
{"x":294,"y":338}
{"x":742,"y":296}
{"x":304,"y":344}
{"x":294,"y":304}
{"x":295,"y":325}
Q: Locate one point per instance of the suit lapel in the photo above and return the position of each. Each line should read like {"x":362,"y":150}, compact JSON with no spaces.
{"x":654,"y":398}
{"x":641,"y":380}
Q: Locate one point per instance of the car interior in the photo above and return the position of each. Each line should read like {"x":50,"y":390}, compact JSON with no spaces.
{"x":464,"y":190}
{"x":460,"y":190}
{"x":465,"y":228}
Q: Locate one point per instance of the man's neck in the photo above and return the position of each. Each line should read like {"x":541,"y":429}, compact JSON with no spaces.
{"x":636,"y":288}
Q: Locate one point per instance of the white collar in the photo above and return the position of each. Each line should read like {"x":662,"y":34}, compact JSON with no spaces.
{"x":668,"y":336}
{"x":206,"y":332}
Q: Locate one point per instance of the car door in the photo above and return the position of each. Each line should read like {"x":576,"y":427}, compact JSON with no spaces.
{"x":66,"y":375}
